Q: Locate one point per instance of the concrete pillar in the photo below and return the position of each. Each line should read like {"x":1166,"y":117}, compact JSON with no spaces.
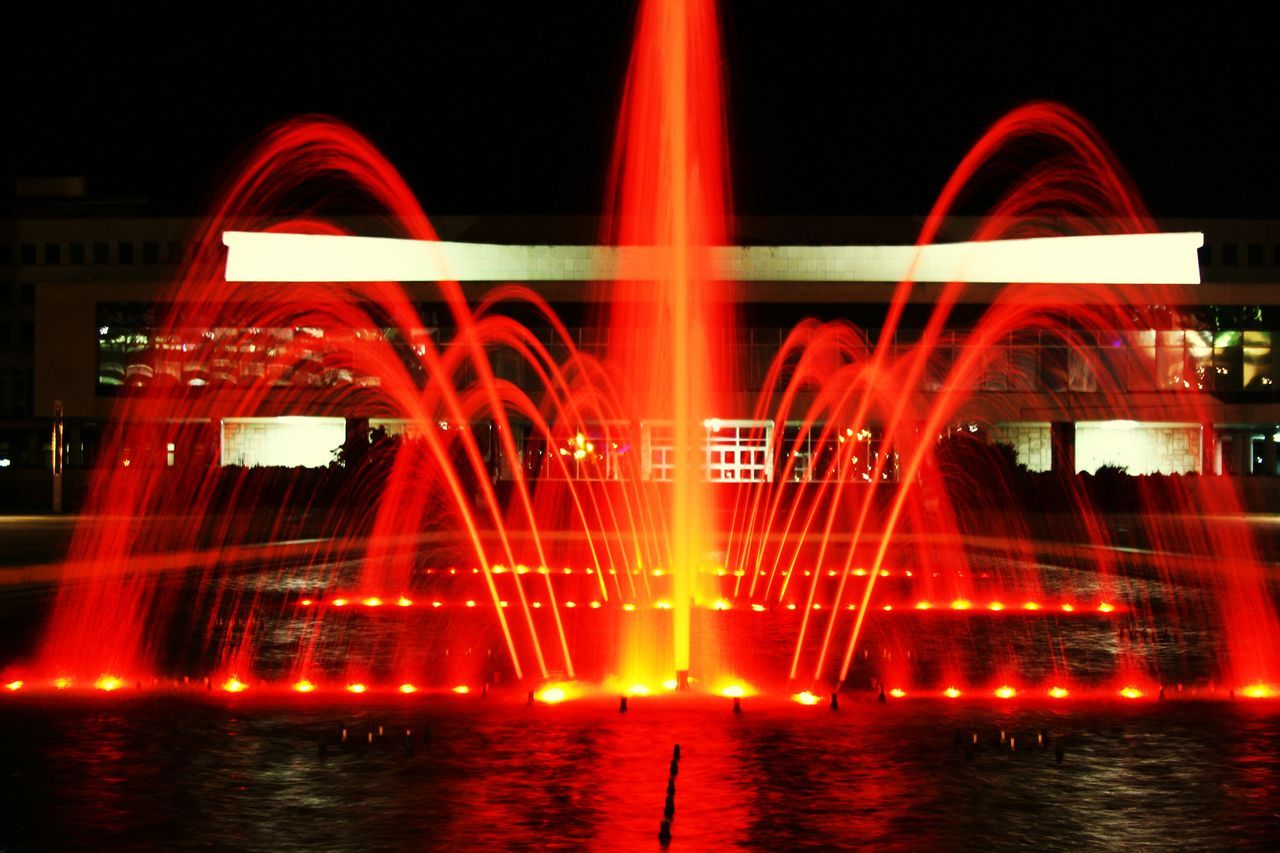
{"x":1062,"y":447}
{"x":1269,"y":453}
{"x":1210,"y":450}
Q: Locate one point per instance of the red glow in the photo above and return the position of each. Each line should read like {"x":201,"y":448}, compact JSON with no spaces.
{"x":462,"y":689}
{"x":403,"y":602}
{"x":306,"y":602}
{"x":806,"y":698}
{"x":1031,"y":605}
{"x":1106,"y":607}
{"x":1059,"y":692}
{"x":961,"y":604}
{"x":234,"y":685}
{"x":897,"y":693}
{"x":356,"y":688}
{"x":407,"y":688}
{"x":1258,"y":691}
{"x":1006,"y":692}
{"x":951,"y":693}
{"x":372,"y":601}
{"x":62,"y":683}
{"x":303,"y":686}
{"x":995,"y":605}
{"x":339,"y":602}
{"x":1131,"y":692}
{"x":14,"y":685}
{"x":108,"y":683}
{"x":1067,"y":608}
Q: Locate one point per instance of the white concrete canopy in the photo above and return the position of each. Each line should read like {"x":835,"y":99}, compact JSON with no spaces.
{"x":1107,"y":259}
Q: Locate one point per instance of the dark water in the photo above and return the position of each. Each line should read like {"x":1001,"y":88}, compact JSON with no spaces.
{"x":112,"y":772}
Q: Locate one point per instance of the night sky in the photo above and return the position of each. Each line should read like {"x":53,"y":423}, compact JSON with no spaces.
{"x":508,"y":108}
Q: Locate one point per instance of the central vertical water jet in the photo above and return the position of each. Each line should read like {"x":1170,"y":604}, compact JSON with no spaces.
{"x":670,"y":193}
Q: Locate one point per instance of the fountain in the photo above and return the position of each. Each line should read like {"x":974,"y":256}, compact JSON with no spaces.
{"x":514,"y":502}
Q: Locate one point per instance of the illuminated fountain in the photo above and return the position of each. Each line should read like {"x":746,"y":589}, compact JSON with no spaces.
{"x":636,"y":511}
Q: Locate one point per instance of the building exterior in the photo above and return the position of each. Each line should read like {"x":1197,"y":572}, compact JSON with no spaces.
{"x":79,"y":282}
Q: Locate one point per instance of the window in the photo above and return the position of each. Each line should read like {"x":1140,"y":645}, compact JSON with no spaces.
{"x":75,"y":253}
{"x":101,"y":253}
{"x":53,"y":253}
{"x":27,"y":292}
{"x":1254,"y":254}
{"x":27,"y":335}
{"x":6,"y":336}
{"x":1230,"y":254}
{"x":124,"y":253}
{"x":28,"y":253}
{"x":1206,"y":254}
{"x":6,"y":254}
{"x":151,"y":252}
{"x":174,"y":255}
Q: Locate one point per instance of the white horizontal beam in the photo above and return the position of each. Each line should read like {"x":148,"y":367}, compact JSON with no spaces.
{"x":1106,"y":259}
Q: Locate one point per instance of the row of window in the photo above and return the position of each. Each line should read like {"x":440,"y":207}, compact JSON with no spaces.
{"x":97,"y":252}
{"x":128,"y":252}
{"x":1087,"y":362}
{"x":26,"y":293}
{"x":1229,"y":255}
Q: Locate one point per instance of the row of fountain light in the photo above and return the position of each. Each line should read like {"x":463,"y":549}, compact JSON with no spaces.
{"x":555,"y":693}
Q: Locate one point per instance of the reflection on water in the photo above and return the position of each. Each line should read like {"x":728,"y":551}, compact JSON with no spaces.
{"x":164,"y":773}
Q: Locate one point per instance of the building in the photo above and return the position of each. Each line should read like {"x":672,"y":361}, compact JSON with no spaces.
{"x":80,"y":279}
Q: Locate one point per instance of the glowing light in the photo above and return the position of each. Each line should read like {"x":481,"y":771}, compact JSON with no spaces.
{"x":806,"y":698}
{"x":759,"y":608}
{"x":1059,"y":692}
{"x":1004,"y":691}
{"x":471,"y":603}
{"x":437,"y":604}
{"x":637,"y":690}
{"x":303,"y":686}
{"x":339,"y":602}
{"x":663,"y":605}
{"x":721,"y":604}
{"x":961,"y":604}
{"x":791,"y":607}
{"x":108,"y":683}
{"x":951,"y":693}
{"x":408,"y":688}
{"x":923,"y":605}
{"x":1067,"y":608}
{"x":734,"y":691}
{"x":1131,"y":692}
{"x":629,"y":607}
{"x":537,"y":605}
{"x":1087,"y":259}
{"x":995,"y":605}
{"x":504,"y":603}
{"x":887,"y":607}
{"x":14,"y":685}
{"x":356,"y":688}
{"x":551,"y":695}
{"x":403,"y":602}
{"x":306,"y":602}
{"x":669,"y":684}
{"x":234,"y":685}
{"x":1253,"y":691}
{"x":1031,"y":605}
{"x":897,"y":693}
{"x":570,"y":604}
{"x":62,"y":683}
{"x":462,"y":689}
{"x":372,"y":601}
{"x":1106,"y":607}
